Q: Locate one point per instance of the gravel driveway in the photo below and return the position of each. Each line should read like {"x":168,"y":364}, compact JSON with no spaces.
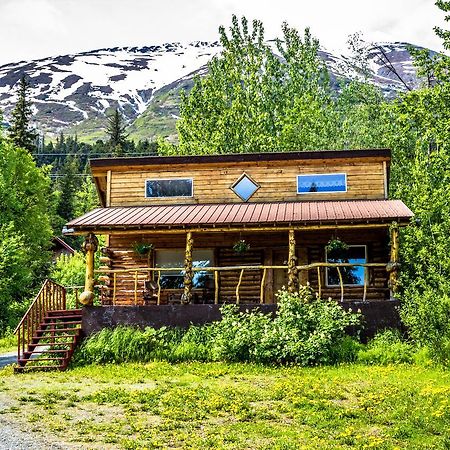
{"x":12,"y":437}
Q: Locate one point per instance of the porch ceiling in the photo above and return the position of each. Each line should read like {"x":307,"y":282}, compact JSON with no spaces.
{"x":253,"y":215}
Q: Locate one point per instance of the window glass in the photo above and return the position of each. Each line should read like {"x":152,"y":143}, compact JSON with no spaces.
{"x":175,"y":258}
{"x":168,"y":188}
{"x":330,"y":182}
{"x":356,"y":254}
{"x":245,"y":187}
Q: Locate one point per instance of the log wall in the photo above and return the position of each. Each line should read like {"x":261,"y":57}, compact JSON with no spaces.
{"x":265,"y":247}
{"x":277,"y":180}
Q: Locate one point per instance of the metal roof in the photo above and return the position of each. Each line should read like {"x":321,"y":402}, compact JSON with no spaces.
{"x":242,"y":214}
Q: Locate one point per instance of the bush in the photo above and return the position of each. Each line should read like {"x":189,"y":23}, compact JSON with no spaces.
{"x":305,"y":330}
{"x":387,"y":347}
{"x":427,"y":315}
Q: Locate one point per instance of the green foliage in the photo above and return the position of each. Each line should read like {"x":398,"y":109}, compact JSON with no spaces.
{"x":69,"y":270}
{"x":387,"y":347}
{"x":116,"y":133}
{"x":8,"y":342}
{"x":20,"y":132}
{"x":24,"y":229}
{"x":304,"y":331}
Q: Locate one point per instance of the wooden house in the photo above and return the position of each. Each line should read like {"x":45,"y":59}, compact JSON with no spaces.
{"x":239,"y":227}
{"x":185,"y":234}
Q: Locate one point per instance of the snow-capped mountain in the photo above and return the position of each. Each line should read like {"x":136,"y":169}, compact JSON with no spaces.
{"x":75,"y":92}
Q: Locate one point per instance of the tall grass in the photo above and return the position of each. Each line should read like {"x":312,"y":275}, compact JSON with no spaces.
{"x":305,"y":330}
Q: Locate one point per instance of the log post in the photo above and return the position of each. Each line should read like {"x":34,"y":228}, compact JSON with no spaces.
{"x":394,"y":263}
{"x":90,"y":246}
{"x":292,"y":264}
{"x":188,"y":272}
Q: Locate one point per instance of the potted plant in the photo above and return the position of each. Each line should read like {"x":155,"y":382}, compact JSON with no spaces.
{"x":241,"y":246}
{"x":142,"y":248}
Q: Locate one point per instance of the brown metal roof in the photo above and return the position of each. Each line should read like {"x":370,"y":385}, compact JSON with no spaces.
{"x":241,"y":157}
{"x":242,"y":214}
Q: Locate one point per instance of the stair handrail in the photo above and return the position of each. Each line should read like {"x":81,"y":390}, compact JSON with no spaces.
{"x":51,"y":297}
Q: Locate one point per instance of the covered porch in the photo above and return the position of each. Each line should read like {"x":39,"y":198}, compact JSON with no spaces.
{"x":242,"y":253}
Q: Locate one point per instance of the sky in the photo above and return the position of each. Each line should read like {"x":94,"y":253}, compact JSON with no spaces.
{"x":32,"y":29}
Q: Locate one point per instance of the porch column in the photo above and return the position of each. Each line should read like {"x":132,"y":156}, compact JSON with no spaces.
{"x":90,"y":246}
{"x":292,"y":263}
{"x":188,"y":272}
{"x":394,"y":263}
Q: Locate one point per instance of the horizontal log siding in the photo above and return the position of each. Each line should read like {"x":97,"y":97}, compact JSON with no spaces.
{"x":277,"y":180}
{"x":123,"y":257}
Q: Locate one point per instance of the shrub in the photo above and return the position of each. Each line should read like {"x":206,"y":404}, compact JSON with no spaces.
{"x":305,"y":330}
{"x":387,"y":347}
{"x":427,"y":315}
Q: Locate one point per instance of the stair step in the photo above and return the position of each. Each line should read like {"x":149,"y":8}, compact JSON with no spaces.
{"x":65,"y":311}
{"x":72,"y":322}
{"x":36,"y":352}
{"x":28,"y":361}
{"x":47,"y":330}
{"x":56,"y":336}
{"x":74,"y":316}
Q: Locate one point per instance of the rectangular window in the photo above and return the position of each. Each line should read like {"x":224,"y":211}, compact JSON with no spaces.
{"x":177,"y":187}
{"x":175,"y":258}
{"x":321,"y":183}
{"x":351,"y":276}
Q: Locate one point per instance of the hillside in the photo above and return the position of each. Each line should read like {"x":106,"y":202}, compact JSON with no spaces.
{"x":74,"y":93}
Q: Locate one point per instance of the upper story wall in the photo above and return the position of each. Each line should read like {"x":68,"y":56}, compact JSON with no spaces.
{"x":122,"y":181}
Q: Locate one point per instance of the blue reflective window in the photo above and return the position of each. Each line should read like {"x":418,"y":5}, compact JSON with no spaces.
{"x":245,"y":187}
{"x":330,"y":182}
{"x":181,"y":187}
{"x":356,"y":254}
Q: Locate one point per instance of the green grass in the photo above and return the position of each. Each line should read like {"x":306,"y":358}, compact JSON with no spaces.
{"x":234,"y":406}
{"x":8,"y":343}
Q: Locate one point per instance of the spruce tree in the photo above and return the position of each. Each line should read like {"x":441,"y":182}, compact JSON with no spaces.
{"x":20,"y":132}
{"x":116,"y":133}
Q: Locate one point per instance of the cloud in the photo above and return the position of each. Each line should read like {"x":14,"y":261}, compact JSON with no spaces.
{"x":38,"y":28}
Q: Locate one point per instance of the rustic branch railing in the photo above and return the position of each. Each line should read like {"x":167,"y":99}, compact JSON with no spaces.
{"x":51,"y":297}
{"x":217,"y":270}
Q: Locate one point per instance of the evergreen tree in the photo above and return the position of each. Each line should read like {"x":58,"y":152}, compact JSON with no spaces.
{"x":20,"y":132}
{"x":116,"y":133}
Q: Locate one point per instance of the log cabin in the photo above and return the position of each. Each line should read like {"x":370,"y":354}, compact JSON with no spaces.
{"x":185,"y":234}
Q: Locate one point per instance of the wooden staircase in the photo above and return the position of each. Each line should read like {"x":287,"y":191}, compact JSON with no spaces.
{"x":48,"y":333}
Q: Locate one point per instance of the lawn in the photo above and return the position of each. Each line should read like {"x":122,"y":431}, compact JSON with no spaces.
{"x":234,"y":406}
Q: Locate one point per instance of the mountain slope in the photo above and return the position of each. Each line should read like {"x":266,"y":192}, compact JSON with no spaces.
{"x":74,"y":93}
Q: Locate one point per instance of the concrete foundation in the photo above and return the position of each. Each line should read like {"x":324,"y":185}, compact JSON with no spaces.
{"x":377,"y":315}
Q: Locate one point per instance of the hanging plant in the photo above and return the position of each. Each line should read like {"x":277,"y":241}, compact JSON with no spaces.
{"x":142,"y":248}
{"x":336,"y":248}
{"x":241,"y":246}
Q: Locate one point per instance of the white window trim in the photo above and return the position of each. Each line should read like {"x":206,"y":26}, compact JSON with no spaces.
{"x":170,"y":179}
{"x":320,"y":174}
{"x":245,"y":174}
{"x":347,"y":285}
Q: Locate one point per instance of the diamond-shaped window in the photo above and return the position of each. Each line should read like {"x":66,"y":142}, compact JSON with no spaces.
{"x":244,"y":187}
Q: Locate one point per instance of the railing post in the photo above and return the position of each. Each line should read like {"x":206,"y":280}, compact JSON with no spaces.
{"x":238,"y":286}
{"x":393,"y":265}
{"x":263,"y":281}
{"x":292,"y":264}
{"x":90,"y":247}
{"x":341,"y":282}
{"x":135,"y":286}
{"x":188,"y":272}
{"x":319,"y":282}
{"x":216,"y":287}
{"x":114,"y":288}
{"x":158,"y":301}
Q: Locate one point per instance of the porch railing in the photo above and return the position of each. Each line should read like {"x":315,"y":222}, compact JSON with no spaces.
{"x":51,"y":297}
{"x":242,"y":269}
